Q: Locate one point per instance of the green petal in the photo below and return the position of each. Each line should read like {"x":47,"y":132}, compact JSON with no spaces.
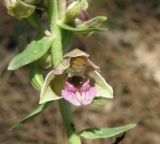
{"x":103,"y":88}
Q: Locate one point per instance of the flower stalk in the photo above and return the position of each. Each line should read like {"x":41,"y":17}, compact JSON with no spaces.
{"x":57,"y":56}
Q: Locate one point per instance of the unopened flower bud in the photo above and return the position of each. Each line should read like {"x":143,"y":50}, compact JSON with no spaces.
{"x":73,"y":11}
{"x":19,"y":8}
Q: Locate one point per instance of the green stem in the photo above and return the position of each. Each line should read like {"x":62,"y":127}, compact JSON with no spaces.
{"x":65,"y":109}
{"x":56,"y":50}
{"x":57,"y":56}
{"x":61,"y":8}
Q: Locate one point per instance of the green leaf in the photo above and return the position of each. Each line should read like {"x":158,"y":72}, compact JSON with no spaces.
{"x":29,"y":117}
{"x":99,"y":101}
{"x":80,"y":30}
{"x":93,"y":133}
{"x":35,"y":50}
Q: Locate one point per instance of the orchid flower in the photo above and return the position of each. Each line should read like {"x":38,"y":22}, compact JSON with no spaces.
{"x":78,"y":80}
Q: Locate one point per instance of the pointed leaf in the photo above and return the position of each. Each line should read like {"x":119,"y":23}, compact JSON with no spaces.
{"x":93,"y":133}
{"x":35,"y":50}
{"x":35,"y":112}
{"x":103,"y":88}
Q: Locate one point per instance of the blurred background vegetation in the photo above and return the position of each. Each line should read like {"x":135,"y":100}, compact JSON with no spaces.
{"x":129,"y":57}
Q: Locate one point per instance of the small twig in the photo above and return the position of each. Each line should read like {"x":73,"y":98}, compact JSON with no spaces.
{"x":120,"y":138}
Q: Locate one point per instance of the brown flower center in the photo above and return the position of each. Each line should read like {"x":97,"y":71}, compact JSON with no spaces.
{"x":76,"y":81}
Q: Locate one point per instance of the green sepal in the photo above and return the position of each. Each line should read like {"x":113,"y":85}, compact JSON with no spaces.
{"x":95,"y":133}
{"x":95,"y":22}
{"x":20,"y":10}
{"x":99,"y":101}
{"x":102,"y":87}
{"x":30,"y":116}
{"x":80,"y":30}
{"x":52,"y":86}
{"x":35,"y":50}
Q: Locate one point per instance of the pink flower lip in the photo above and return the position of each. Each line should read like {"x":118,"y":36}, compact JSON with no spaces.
{"x":78,"y":91}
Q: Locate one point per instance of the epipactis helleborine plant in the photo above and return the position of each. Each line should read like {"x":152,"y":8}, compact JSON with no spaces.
{"x":76,"y":79}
